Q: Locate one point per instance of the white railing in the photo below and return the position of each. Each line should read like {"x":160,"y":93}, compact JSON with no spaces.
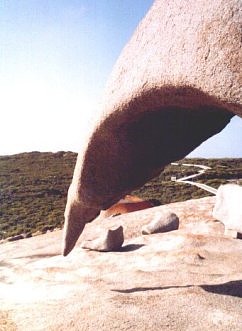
{"x":199,"y":173}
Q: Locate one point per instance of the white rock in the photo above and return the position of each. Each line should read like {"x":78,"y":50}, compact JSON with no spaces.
{"x":228,"y":207}
{"x":111,"y":240}
{"x":162,"y":222}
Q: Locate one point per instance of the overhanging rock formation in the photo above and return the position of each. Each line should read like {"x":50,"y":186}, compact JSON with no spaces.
{"x":176,"y":83}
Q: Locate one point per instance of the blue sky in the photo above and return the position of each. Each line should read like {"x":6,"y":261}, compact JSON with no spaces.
{"x":55,"y":57}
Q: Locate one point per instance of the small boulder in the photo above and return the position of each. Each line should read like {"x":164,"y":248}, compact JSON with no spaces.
{"x":17,"y":237}
{"x":162,"y":222}
{"x":28,"y":235}
{"x":110,"y":240}
{"x":228,"y":208}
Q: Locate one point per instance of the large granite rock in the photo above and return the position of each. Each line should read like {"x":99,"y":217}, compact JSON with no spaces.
{"x":176,"y":83}
{"x":184,"y":280}
{"x":228,"y":208}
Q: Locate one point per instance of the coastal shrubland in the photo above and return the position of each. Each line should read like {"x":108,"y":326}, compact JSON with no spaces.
{"x":33,"y":187}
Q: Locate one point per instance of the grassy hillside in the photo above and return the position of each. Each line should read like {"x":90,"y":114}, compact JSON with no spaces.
{"x":33,"y":187}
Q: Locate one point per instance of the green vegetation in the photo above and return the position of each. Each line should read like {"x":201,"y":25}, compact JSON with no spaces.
{"x":166,"y":191}
{"x":33,"y":187}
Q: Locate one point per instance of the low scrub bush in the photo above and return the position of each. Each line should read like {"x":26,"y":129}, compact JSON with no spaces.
{"x":33,"y":187}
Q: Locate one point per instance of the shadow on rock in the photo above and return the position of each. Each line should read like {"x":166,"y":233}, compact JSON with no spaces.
{"x":155,"y":288}
{"x":37,"y":256}
{"x":130,"y":247}
{"x":233,"y":288}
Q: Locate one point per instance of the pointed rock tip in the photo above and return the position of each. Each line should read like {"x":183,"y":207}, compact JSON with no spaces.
{"x":75,"y":221}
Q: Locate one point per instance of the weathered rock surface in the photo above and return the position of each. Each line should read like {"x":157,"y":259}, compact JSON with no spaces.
{"x":228,"y":207}
{"x":107,"y":241}
{"x":128,"y":204}
{"x":161,"y":222}
{"x":176,"y":83}
{"x":184,"y":280}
